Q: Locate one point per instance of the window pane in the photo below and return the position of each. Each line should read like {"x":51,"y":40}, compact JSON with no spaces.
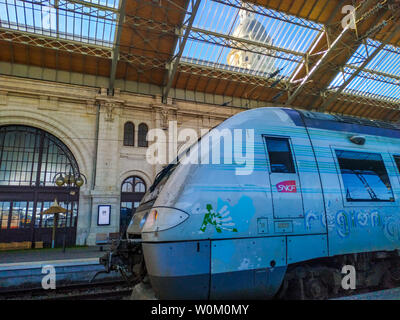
{"x":127,"y":187}
{"x":397,"y":160}
{"x":4,"y":212}
{"x":129,"y":134}
{"x":19,"y":156}
{"x":133,"y":184}
{"x":47,"y":219}
{"x":29,"y":214}
{"x":126,"y":205}
{"x":38,"y":216}
{"x":280,"y":155}
{"x":139,"y":187}
{"x":18,"y":214}
{"x":125,"y":215}
{"x":142,"y":133}
{"x":364,"y":176}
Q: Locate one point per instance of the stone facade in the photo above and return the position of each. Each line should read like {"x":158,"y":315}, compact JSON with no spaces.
{"x":71,"y":113}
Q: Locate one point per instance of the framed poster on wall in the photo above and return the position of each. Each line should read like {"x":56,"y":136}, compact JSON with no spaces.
{"x":103,"y":215}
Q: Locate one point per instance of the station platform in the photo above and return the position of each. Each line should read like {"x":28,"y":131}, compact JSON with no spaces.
{"x":388,"y":294}
{"x":21,"y":270}
{"x":32,"y":255}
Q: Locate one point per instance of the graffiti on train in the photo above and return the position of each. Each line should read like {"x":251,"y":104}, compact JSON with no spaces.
{"x":226,"y":215}
{"x":220,"y":220}
{"x":344,"y":222}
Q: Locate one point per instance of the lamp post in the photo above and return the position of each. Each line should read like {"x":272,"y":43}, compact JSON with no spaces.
{"x":55,"y":210}
{"x":70,"y":179}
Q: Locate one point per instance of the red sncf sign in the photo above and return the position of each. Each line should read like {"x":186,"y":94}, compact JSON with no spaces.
{"x":287,"y":186}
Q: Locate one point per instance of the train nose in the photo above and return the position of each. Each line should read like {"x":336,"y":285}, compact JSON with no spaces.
{"x":162,"y":218}
{"x":178,"y":270}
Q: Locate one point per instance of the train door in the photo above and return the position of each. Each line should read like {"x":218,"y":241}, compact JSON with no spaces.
{"x":284,"y":178}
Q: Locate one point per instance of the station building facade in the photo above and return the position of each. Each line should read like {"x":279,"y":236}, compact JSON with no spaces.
{"x":48,"y":127}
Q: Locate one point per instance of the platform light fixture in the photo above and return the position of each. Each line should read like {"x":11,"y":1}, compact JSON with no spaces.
{"x":69,"y":179}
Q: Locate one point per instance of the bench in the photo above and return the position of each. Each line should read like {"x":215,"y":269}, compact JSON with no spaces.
{"x":103,"y":239}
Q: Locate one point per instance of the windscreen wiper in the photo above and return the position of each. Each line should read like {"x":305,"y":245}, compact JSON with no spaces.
{"x":161,"y":175}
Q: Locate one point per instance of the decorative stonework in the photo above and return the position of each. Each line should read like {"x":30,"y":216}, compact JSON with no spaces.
{"x":110,"y":105}
{"x":109,"y":108}
{"x":206,"y":121}
{"x":48,"y":103}
{"x":3,"y":98}
{"x":164,"y":118}
{"x":90,"y":107}
{"x":165,"y":112}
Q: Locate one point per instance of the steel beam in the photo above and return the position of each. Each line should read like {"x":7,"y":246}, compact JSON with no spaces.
{"x":234,"y":76}
{"x":107,"y":11}
{"x":149,"y":24}
{"x":173,"y":65}
{"x":376,"y":74}
{"x":231,"y":41}
{"x":270,"y":13}
{"x":213,"y":38}
{"x":360,"y":68}
{"x":115,"y":51}
{"x":93,"y":5}
{"x":317,"y":66}
{"x":143,"y":61}
{"x":361,"y":14}
{"x":361,"y":99}
{"x":48,"y":42}
{"x":228,"y":75}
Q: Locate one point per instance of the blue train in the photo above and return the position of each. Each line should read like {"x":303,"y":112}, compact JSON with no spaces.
{"x":323,"y":192}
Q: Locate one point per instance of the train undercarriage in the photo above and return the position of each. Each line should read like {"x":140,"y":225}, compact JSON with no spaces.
{"x":316,"y":279}
{"x":323,"y":278}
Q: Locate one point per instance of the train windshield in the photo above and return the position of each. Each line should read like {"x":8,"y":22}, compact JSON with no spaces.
{"x":165,"y":173}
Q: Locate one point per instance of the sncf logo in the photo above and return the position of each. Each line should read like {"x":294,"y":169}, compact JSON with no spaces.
{"x":287,"y":186}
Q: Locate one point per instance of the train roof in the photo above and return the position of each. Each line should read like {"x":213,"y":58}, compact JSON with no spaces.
{"x":349,"y":119}
{"x":343,"y":123}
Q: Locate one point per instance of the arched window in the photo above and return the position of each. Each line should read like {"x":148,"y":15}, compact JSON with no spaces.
{"x":133,"y":184}
{"x":142,"y":133}
{"x":140,"y":187}
{"x":29,"y":160}
{"x":129,"y":134}
{"x":132,"y":191}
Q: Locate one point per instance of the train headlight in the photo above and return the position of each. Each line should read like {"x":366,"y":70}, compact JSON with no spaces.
{"x":161,"y":218}
{"x":142,"y":222}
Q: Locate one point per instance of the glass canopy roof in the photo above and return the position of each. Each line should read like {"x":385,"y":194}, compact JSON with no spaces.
{"x":380,"y":79}
{"x":88,"y":21}
{"x":226,"y":34}
{"x":247,"y":38}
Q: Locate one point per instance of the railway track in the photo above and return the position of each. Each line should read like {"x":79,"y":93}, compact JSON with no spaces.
{"x":119,"y":290}
{"x":106,"y":290}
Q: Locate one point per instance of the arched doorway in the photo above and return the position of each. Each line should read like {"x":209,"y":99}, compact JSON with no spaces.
{"x":29,"y":159}
{"x":132,"y":191}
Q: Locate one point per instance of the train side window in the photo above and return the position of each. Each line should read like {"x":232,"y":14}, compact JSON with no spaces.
{"x":280,"y":155}
{"x":397,"y":160}
{"x":364,"y":176}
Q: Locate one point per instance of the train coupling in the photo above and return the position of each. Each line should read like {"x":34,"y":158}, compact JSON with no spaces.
{"x":126,"y":257}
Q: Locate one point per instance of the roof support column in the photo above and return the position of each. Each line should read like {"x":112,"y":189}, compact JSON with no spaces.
{"x":115,"y":51}
{"x":173,"y":65}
